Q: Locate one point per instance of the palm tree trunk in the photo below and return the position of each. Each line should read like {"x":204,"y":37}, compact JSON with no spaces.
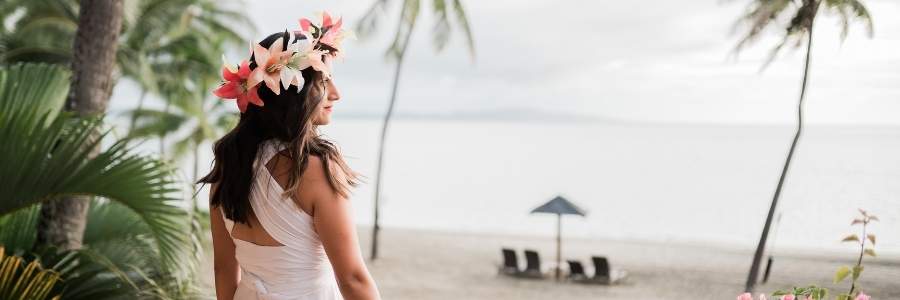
{"x":384,"y":128}
{"x":62,"y":221}
{"x":757,"y":256}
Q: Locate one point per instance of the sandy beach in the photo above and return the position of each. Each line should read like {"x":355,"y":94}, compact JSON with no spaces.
{"x":417,"y":264}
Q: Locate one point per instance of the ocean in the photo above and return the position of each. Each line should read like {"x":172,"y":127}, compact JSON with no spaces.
{"x":708,"y":184}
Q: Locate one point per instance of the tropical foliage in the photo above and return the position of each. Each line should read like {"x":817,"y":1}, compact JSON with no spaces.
{"x":20,"y":281}
{"x":137,"y":233}
{"x":795,"y":18}
{"x":140,"y":242}
{"x":814,"y":292}
{"x":179,"y":38}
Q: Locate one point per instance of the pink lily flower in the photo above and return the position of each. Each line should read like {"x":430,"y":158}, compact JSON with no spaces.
{"x":332,"y":31}
{"x":788,"y":297}
{"x":303,"y":55}
{"x":862,"y":296}
{"x":236,"y":86}
{"x":269,"y":63}
{"x":745,"y":296}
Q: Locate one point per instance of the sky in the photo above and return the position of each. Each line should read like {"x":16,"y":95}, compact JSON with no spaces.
{"x":658,"y":61}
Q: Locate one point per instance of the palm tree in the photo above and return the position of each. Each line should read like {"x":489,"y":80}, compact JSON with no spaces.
{"x":93,"y":59}
{"x":763,"y":14}
{"x":42,"y":31}
{"x":409,"y":14}
{"x":189,"y":49}
{"x":154,"y":31}
{"x":135,"y":223}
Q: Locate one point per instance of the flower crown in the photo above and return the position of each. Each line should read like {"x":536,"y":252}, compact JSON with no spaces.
{"x":274,"y":65}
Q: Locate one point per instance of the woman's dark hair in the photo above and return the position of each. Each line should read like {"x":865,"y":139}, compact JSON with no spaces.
{"x":287,"y":119}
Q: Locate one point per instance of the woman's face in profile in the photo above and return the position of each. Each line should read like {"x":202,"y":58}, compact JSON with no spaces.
{"x":323,"y":111}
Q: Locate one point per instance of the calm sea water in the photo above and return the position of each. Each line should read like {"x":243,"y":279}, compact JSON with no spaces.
{"x":665,"y":183}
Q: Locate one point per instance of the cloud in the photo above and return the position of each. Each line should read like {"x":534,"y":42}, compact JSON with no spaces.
{"x":648,"y":61}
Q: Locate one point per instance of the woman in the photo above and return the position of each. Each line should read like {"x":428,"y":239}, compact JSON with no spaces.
{"x":281,"y":220}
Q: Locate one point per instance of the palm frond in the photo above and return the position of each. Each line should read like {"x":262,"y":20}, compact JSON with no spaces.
{"x":764,"y":14}
{"x":42,"y":162}
{"x":371,"y":19}
{"x":849,"y":11}
{"x":88,"y":275}
{"x":19,"y":230}
{"x":760,"y":15}
{"x":20,"y":281}
{"x":409,"y":15}
{"x":34,"y":88}
{"x":463,"y":22}
{"x":441,"y":29}
{"x":153,"y":123}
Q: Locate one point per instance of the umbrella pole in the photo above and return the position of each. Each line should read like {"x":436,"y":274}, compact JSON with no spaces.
{"x":558,"y":243}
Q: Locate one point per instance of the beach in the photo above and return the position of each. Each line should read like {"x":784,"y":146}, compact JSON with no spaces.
{"x":429,"y":264}
{"x":680,"y":208}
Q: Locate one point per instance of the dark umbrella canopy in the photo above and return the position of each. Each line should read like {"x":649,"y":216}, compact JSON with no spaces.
{"x":559,"y":206}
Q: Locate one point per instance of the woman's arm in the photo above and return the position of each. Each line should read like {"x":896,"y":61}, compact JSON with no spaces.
{"x":225,"y":264}
{"x":333,"y":219}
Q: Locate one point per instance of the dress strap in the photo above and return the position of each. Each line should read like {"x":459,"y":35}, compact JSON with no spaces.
{"x":229,"y":224}
{"x":268,"y":149}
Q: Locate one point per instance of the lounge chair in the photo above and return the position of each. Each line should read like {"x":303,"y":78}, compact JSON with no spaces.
{"x":576,"y":271}
{"x":603,"y":274}
{"x":533,"y":265}
{"x":510,"y":263}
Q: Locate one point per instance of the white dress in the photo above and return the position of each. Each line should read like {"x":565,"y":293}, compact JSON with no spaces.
{"x":299,"y":269}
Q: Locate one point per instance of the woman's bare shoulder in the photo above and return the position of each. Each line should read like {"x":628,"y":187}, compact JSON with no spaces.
{"x":315,"y":177}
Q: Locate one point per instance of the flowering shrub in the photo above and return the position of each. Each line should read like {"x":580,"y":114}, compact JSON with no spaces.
{"x":813,"y":292}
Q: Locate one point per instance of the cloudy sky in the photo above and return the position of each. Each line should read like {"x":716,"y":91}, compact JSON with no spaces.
{"x":657,"y":61}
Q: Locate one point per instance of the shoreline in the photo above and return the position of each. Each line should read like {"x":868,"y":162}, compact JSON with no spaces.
{"x":884,"y":258}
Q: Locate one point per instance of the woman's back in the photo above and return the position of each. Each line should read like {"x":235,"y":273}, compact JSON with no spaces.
{"x":299,"y":267}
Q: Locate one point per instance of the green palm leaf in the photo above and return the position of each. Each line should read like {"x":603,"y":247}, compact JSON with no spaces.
{"x":19,"y":230}
{"x":34,"y":88}
{"x":88,"y":275}
{"x":795,"y":20}
{"x":39,"y":163}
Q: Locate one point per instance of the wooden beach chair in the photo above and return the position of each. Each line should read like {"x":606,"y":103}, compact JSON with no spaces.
{"x":510,"y":264}
{"x":603,"y":274}
{"x":532,"y":265}
{"x":576,"y":271}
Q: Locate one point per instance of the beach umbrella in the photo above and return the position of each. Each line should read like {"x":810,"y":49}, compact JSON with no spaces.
{"x":559,"y":206}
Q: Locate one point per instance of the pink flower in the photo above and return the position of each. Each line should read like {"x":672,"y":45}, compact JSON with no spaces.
{"x":862,"y":296}
{"x":748,"y":296}
{"x":236,"y":86}
{"x":329,"y":32}
{"x":788,"y":297}
{"x":269,"y":63}
{"x":332,"y":31}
